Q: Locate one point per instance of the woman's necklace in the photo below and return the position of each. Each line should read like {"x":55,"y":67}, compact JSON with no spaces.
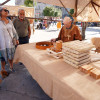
{"x":68,"y":34}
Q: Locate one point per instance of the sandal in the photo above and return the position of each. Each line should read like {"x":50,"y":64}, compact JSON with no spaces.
{"x":0,"y":80}
{"x":4,"y":74}
{"x":12,"y":70}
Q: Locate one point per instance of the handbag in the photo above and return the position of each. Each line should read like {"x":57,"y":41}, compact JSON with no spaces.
{"x":13,"y":38}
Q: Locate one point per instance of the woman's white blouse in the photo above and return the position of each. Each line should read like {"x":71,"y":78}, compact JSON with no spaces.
{"x":7,"y":32}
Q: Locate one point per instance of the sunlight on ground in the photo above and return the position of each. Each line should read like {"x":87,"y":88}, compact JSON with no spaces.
{"x":52,"y":32}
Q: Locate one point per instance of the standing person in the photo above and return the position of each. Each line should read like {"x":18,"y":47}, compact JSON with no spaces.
{"x":7,"y":33}
{"x":0,"y":70}
{"x":22,"y":27}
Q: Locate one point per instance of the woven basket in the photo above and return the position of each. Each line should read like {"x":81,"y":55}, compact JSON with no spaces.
{"x":43,"y":45}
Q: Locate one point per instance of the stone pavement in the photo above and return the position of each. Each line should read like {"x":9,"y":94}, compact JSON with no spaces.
{"x":21,"y":86}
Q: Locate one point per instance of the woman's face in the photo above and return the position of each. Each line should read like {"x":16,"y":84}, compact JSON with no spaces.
{"x":4,"y":12}
{"x":67,"y":24}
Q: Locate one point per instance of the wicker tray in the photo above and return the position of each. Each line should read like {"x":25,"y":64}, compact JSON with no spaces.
{"x":57,"y":55}
{"x":43,"y":45}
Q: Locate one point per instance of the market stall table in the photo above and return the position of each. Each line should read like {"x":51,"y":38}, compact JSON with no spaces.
{"x":58,"y":80}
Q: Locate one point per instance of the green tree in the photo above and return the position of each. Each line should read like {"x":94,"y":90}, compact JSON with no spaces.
{"x":28,"y":3}
{"x":71,"y":11}
{"x":52,"y":11}
{"x":58,"y":12}
{"x":55,"y":14}
{"x":48,"y":11}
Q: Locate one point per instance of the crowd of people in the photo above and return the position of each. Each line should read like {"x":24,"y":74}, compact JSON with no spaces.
{"x":18,"y":31}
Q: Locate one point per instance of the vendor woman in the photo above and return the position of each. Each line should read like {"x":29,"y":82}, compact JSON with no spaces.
{"x":69,"y":31}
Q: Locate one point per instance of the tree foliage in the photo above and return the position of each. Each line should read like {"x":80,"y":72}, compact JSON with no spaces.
{"x":28,"y":3}
{"x":47,"y":11}
{"x":71,"y":11}
{"x":52,"y":11}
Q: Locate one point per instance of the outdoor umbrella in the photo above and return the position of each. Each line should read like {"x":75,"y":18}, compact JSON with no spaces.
{"x":85,"y":10}
{"x":4,"y":2}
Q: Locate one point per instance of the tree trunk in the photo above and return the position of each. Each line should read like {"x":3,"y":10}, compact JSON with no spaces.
{"x":84,"y":25}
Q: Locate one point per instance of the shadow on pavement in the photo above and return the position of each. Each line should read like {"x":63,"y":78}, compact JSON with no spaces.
{"x":21,"y":86}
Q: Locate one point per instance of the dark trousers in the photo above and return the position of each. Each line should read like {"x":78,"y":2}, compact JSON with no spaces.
{"x":23,"y":40}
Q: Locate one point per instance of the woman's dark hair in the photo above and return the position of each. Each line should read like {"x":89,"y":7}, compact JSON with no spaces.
{"x":0,"y":13}
{"x":1,"y":8}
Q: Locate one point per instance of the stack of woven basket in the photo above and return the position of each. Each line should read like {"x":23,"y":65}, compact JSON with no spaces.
{"x":76,"y":53}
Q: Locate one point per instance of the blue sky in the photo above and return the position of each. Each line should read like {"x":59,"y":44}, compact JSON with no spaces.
{"x":11,"y":2}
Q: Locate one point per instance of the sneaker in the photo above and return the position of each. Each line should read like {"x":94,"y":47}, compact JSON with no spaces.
{"x":11,"y":69}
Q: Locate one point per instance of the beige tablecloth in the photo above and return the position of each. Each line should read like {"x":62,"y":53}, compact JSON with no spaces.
{"x":58,"y":79}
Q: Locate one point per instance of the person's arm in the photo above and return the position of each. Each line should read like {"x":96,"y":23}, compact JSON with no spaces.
{"x":78,"y":34}
{"x":29,"y":28}
{"x":59,"y":36}
{"x":15,"y":34}
{"x":14,"y":23}
{"x":29,"y":31}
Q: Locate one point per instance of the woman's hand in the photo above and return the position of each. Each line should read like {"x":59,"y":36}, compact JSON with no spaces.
{"x":53,"y":40}
{"x":17,"y":42}
{"x":29,"y":36}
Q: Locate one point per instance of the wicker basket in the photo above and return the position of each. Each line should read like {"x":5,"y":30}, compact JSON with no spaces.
{"x":43,"y":45}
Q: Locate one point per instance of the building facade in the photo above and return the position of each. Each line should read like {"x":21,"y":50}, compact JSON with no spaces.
{"x":19,"y":2}
{"x":40,"y":7}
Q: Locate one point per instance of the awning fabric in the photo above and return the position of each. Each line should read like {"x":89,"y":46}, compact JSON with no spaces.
{"x":86,"y":10}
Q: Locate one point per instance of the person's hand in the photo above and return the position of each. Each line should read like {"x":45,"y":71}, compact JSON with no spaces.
{"x":29,"y":36}
{"x":53,"y":40}
{"x":17,"y":42}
